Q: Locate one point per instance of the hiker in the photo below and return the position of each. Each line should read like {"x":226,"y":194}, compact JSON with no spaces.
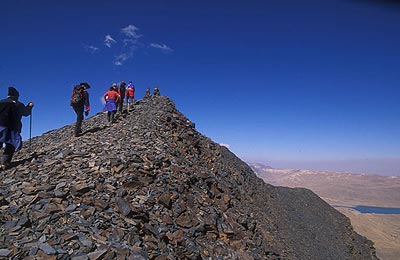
{"x":121,"y":92}
{"x":11,"y":112}
{"x":111,"y":98}
{"x":130,"y":94}
{"x":147,"y":92}
{"x":80,"y":103}
{"x":156,"y":91}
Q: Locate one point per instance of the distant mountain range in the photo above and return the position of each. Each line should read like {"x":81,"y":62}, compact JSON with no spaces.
{"x":343,"y":189}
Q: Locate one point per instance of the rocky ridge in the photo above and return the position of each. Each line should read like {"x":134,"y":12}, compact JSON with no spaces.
{"x":151,"y":187}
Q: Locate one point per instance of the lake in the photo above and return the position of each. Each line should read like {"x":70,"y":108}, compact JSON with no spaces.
{"x":374,"y":210}
{"x":377,"y":210}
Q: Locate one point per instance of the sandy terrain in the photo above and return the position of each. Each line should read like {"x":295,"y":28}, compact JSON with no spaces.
{"x":346,"y":189}
{"x":384,"y":230}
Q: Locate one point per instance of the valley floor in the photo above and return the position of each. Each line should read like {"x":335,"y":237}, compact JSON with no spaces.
{"x":383,"y":229}
{"x":343,"y":189}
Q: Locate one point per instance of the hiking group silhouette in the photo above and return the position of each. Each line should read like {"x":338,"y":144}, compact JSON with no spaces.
{"x":119,"y":100}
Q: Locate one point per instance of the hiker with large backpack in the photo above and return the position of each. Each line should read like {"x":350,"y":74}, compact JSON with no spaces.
{"x":80,"y":103}
{"x":11,"y":112}
{"x":121,"y":92}
{"x":111,"y":97}
{"x":130,"y":95}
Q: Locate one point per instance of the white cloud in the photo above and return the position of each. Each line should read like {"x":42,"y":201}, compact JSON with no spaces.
{"x":130,"y":31}
{"x":120,"y":59}
{"x":128,"y":43}
{"x":91,"y":48}
{"x":225,"y":145}
{"x":125,"y":45}
{"x":162,"y":47}
{"x":126,"y":54}
{"x":108,"y":41}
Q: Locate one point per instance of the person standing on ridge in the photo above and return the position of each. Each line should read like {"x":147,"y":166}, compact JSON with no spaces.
{"x":156,"y":91}
{"x":130,"y":95}
{"x":147,"y":92}
{"x":80,"y":103}
{"x":11,"y":112}
{"x":121,"y":92}
{"x":111,"y":98}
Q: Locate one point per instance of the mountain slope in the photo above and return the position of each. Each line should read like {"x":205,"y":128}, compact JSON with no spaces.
{"x":151,"y":187}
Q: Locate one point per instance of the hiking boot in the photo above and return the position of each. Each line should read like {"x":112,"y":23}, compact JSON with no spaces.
{"x":5,"y":162}
{"x":78,"y":133}
{"x":4,"y":167}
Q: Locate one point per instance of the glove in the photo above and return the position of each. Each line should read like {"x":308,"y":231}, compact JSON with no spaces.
{"x":86,"y":112}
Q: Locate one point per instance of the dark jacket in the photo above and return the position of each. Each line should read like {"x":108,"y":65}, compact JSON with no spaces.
{"x":11,"y":112}
{"x":86,"y":99}
{"x":22,"y":110}
{"x":8,"y":112}
{"x":122,"y":91}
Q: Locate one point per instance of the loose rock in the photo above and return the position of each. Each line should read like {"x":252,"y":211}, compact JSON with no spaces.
{"x":151,"y":187}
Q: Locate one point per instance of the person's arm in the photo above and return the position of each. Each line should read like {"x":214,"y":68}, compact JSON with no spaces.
{"x":87,"y":102}
{"x":26,"y":110}
{"x":117,"y":96}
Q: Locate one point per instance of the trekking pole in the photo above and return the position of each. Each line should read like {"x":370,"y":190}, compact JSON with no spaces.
{"x":30,"y":131}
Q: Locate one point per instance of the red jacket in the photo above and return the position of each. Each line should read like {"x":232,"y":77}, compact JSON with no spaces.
{"x":111,"y":94}
{"x":130,"y":92}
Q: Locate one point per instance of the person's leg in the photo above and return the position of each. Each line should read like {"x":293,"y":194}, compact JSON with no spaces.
{"x":120,"y":105}
{"x":1,"y":158}
{"x":113,"y":115}
{"x":7,"y":156}
{"x":79,"y":119}
{"x":127,"y":103}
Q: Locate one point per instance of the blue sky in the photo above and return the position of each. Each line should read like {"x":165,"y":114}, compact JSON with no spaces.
{"x":280,"y":82}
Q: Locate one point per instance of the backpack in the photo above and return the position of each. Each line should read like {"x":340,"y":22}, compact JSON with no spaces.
{"x":77,"y":96}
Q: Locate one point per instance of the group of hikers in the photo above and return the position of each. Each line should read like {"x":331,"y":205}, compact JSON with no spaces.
{"x":12,"y":111}
{"x":113,"y":98}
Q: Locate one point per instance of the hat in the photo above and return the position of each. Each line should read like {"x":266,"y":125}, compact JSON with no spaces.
{"x":85,"y":85}
{"x":12,"y":92}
